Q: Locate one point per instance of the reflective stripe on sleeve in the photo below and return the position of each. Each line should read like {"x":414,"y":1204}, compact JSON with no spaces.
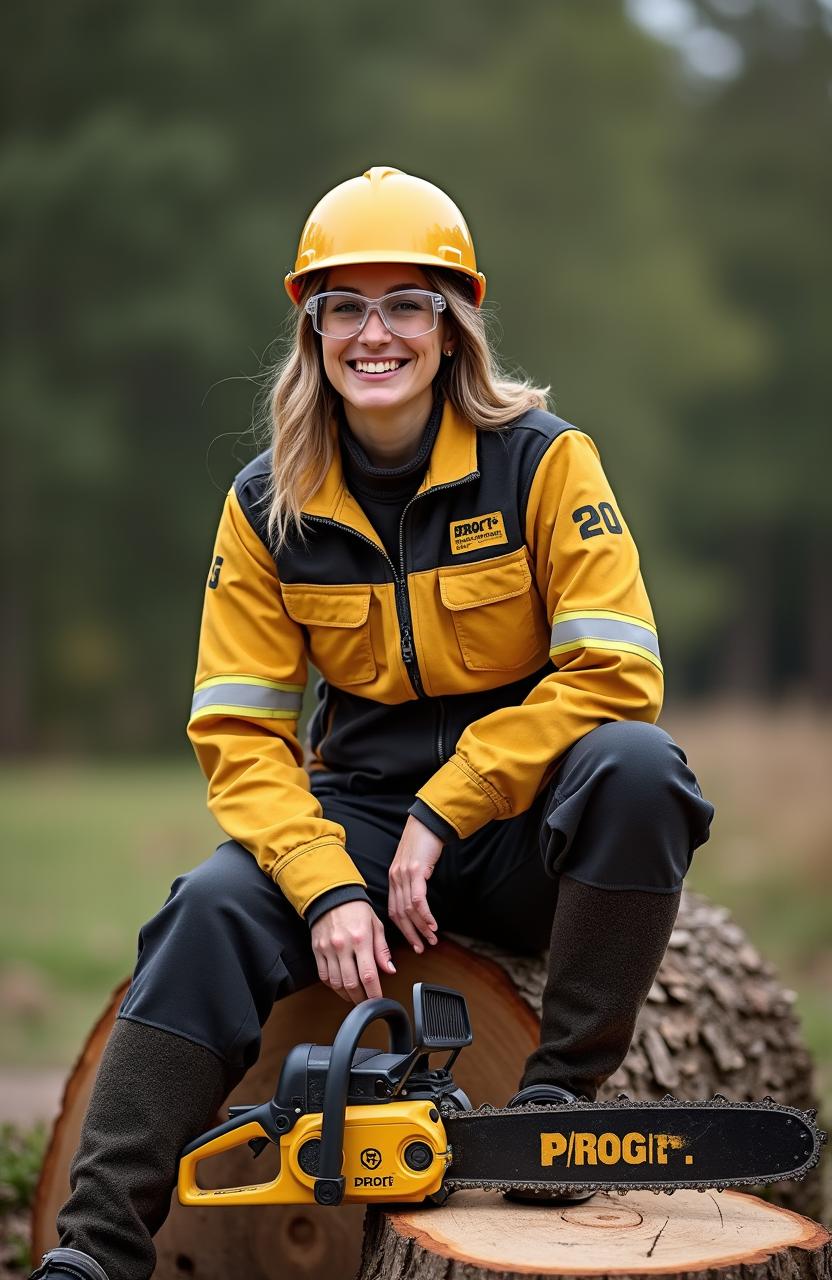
{"x":265,"y":699}
{"x":603,"y":629}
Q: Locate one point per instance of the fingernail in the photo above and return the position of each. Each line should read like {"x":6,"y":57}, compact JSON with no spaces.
{"x":391,"y":966}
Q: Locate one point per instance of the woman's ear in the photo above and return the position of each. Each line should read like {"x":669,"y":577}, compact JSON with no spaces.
{"x":449,"y":339}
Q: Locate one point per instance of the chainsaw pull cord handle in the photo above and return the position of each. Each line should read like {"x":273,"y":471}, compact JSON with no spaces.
{"x":329,"y":1184}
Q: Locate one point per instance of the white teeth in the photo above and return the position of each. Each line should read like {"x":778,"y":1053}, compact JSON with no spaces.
{"x":376,"y":366}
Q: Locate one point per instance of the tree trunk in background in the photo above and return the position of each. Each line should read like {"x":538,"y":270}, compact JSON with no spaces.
{"x":819,"y":606}
{"x":15,"y":721}
{"x":746,"y":645}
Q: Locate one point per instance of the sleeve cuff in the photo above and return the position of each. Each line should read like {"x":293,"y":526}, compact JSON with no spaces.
{"x":430,"y":819}
{"x":462,"y":797}
{"x":312,"y":869}
{"x":334,"y":898}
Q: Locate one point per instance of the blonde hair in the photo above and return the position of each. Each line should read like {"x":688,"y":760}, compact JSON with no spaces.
{"x":301,"y":402}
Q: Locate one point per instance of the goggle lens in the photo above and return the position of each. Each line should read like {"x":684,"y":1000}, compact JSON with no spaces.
{"x":406,"y":313}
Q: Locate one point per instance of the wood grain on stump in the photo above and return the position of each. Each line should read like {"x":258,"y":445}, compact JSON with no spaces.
{"x":717,"y":1020}
{"x":478,"y":1233}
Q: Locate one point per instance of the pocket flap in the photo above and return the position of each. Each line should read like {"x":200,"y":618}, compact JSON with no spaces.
{"x":470,"y":585}
{"x":322,"y":606}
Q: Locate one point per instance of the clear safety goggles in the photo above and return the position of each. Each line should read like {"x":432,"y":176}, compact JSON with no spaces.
{"x":408,"y":313}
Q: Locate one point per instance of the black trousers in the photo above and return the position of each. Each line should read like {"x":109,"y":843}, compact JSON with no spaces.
{"x":623,"y":811}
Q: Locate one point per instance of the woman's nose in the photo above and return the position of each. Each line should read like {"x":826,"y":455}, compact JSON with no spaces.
{"x":375,"y":330}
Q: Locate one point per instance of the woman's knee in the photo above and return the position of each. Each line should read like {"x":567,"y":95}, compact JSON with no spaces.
{"x":225,"y":909}
{"x":627,"y":810}
{"x":229,"y":876}
{"x":216,"y":956}
{"x":635,"y":758}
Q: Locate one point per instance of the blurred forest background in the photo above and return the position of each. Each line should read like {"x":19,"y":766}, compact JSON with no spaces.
{"x":648,"y":185}
{"x":653,"y":216}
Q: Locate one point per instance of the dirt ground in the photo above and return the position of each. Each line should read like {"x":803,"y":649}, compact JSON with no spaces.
{"x":28,"y":1095}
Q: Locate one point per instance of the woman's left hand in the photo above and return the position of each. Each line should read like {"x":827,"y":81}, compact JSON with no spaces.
{"x":418,"y":853}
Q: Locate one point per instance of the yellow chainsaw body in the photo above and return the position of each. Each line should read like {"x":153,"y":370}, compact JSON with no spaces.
{"x":374,"y":1167}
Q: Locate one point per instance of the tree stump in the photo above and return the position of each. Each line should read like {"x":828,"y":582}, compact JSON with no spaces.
{"x":716,"y":1020}
{"x":477,"y":1234}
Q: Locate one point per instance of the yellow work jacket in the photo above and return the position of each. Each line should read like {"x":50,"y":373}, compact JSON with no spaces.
{"x":515,"y":621}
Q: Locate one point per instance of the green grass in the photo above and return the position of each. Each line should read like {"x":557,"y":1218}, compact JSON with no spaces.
{"x":90,"y":853}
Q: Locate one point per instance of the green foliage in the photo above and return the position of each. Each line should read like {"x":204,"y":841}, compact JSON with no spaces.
{"x":21,"y":1155}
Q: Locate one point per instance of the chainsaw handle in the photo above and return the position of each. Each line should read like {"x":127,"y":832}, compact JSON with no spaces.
{"x":255,"y":1125}
{"x":329,"y":1184}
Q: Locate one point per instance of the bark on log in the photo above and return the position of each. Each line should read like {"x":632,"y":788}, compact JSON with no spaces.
{"x":479,"y":1236}
{"x":717,"y":1020}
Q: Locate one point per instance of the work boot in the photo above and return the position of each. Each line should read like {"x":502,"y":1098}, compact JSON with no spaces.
{"x":605,"y":951}
{"x":68,"y":1264}
{"x":606,"y":948}
{"x":154,"y":1093}
{"x":532,"y":1096}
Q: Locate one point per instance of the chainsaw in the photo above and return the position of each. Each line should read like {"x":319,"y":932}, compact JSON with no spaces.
{"x":356,"y":1125}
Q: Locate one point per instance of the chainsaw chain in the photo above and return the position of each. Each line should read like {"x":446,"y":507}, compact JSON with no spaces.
{"x":623,"y":1102}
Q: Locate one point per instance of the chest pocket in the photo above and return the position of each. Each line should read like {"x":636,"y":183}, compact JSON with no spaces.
{"x":337,"y":622}
{"x":498,"y":616}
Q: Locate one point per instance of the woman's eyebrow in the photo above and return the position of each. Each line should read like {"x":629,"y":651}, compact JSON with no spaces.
{"x":348,"y":288}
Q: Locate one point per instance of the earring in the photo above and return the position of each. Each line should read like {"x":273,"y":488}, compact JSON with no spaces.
{"x":449,"y":352}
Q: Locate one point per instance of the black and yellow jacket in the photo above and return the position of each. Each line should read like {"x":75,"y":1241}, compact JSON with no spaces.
{"x":512,"y":621}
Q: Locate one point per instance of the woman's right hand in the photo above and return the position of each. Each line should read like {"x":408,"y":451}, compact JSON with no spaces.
{"x":350,"y":948}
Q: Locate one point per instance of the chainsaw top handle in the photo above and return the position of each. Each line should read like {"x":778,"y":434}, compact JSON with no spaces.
{"x":329,"y":1185}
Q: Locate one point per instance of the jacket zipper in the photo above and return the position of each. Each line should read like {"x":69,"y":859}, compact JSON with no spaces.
{"x":402,"y":600}
{"x":440,"y":732}
{"x":401,"y":606}
{"x":405,"y":620}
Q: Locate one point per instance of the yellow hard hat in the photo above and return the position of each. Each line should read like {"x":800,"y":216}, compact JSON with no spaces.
{"x":386,"y":216}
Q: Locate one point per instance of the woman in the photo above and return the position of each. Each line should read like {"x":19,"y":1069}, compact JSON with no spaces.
{"x":483,"y":756}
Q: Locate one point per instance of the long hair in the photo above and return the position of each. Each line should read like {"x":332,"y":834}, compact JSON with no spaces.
{"x":302,"y":403}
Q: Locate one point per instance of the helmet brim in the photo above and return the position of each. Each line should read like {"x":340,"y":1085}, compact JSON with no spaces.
{"x":292,"y":278}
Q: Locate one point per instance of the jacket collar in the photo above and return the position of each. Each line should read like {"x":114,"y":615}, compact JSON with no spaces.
{"x":453,"y":457}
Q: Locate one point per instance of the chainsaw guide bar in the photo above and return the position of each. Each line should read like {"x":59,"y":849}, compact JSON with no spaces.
{"x":610,"y":1145}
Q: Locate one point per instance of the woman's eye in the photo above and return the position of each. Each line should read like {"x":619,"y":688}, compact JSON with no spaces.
{"x":408,"y":304}
{"x":346,"y":308}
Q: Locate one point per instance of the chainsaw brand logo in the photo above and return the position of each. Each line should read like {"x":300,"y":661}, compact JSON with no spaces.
{"x":608,"y":1148}
{"x":478,"y":531}
{"x":371,"y":1159}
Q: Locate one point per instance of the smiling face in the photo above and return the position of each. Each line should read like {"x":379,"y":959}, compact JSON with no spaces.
{"x":377,"y":372}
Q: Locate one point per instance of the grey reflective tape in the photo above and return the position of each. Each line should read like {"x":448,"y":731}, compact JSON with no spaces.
{"x":252,"y":697}
{"x":604,"y":629}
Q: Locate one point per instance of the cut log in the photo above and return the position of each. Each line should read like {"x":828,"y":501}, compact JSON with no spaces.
{"x":477,"y":1234}
{"x":298,"y":1241}
{"x":503,"y":993}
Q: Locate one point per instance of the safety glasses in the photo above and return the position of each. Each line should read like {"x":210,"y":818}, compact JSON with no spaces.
{"x":408,"y":313}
